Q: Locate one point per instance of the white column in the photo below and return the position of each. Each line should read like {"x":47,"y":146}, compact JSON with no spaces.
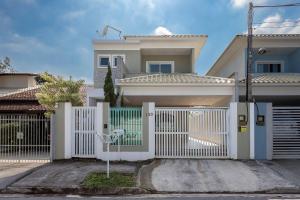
{"x":68,"y":130}
{"x":151,"y":126}
{"x":99,"y":129}
{"x":252,"y":121}
{"x":233,"y":130}
{"x":269,"y":127}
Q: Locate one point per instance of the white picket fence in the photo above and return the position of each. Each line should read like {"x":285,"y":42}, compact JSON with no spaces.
{"x":191,"y":132}
{"x":84,"y":132}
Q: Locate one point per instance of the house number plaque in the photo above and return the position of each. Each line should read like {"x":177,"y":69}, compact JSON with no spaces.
{"x":149,"y":114}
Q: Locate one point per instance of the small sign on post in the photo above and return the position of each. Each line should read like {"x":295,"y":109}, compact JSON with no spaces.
{"x":20,"y":135}
{"x":109,"y":139}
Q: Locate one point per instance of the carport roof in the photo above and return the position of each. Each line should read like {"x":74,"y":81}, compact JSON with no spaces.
{"x":174,"y":79}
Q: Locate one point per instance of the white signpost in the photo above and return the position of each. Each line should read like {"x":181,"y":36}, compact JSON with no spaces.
{"x":109,"y":139}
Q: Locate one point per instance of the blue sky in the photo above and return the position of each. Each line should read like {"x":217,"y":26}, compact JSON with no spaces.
{"x":55,"y":35}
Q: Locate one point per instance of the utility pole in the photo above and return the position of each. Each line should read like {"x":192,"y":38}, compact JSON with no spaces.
{"x":249,"y":55}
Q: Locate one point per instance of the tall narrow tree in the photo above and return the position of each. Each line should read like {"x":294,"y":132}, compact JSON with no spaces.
{"x":109,"y":90}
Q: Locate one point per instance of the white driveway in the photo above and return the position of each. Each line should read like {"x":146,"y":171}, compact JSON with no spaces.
{"x":186,"y":175}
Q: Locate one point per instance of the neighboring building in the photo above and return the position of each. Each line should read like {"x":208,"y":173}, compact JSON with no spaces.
{"x":23,"y":101}
{"x":160,"y":69}
{"x":13,"y":82}
{"x":18,"y":94}
{"x":276,"y":67}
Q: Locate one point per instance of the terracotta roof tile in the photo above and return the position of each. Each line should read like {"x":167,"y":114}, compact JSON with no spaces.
{"x":160,"y":79}
{"x":276,"y":78}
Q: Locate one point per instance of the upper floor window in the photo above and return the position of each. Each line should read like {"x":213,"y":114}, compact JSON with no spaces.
{"x":115,"y":59}
{"x":269,"y":66}
{"x":160,"y":66}
{"x":103,"y":60}
{"x":109,"y":59}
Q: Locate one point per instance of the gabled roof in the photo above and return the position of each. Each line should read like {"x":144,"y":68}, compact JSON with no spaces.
{"x":240,"y":40}
{"x":174,"y":79}
{"x":276,"y":78}
{"x":17,"y":74}
{"x":21,"y":94}
{"x":271,"y":35}
{"x":164,"y":36}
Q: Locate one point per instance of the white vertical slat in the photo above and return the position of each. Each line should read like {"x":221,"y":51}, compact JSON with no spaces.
{"x":286,"y":132}
{"x":191,"y":132}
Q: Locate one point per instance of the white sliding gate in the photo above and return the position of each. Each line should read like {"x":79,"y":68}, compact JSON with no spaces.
{"x":84,"y":132}
{"x":286,"y":132}
{"x":191,"y":132}
{"x":24,"y":138}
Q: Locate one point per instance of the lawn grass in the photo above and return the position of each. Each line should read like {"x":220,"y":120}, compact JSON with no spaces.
{"x":99,"y":180}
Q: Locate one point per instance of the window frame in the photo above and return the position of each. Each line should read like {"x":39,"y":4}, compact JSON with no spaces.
{"x":113,"y":56}
{"x":103,"y":56}
{"x":281,"y":62}
{"x":148,"y":63}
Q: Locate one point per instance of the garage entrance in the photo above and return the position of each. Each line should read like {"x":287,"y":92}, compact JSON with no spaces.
{"x":191,"y":132}
{"x":286,"y":132}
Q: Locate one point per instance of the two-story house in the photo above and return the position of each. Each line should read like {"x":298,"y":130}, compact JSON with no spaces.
{"x":276,"y":67}
{"x":160,"y":69}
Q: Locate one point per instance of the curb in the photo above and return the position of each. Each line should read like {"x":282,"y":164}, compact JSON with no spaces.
{"x":79,"y":191}
{"x":130,"y":191}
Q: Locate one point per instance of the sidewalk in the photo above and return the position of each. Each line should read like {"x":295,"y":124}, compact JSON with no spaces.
{"x":11,"y":172}
{"x":221,"y":176}
{"x":64,"y":176}
{"x":167,"y":175}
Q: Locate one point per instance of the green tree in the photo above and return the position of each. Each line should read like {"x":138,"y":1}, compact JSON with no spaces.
{"x":56,"y":89}
{"x":109,"y":91}
{"x":5,"y":65}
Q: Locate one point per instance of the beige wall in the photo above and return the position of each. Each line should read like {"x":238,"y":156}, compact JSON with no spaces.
{"x":182,"y":62}
{"x":17,"y":81}
{"x":59,"y":139}
{"x":236,"y":63}
{"x":243,"y":139}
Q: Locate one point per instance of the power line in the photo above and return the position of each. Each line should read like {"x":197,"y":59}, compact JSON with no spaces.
{"x":278,"y":5}
{"x":291,"y":21}
{"x":275,"y":26}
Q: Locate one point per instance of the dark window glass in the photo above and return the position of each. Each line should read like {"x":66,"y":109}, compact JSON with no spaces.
{"x":115,"y":61}
{"x":275,"y":68}
{"x":268,"y":68}
{"x":104,"y":61}
{"x":154,"y":68}
{"x":165,"y":68}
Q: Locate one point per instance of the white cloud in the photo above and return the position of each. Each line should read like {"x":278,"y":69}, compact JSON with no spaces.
{"x":74,"y":14}
{"x":22,"y":44}
{"x":277,"y":25}
{"x":244,"y":3}
{"x":160,"y":30}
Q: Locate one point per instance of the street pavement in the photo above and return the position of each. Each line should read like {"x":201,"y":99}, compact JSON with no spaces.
{"x":160,"y":197}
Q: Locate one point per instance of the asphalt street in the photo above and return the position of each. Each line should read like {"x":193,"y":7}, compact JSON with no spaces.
{"x":158,"y":197}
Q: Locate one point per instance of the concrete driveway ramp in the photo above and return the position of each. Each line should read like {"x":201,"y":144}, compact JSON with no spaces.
{"x":185,"y":175}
